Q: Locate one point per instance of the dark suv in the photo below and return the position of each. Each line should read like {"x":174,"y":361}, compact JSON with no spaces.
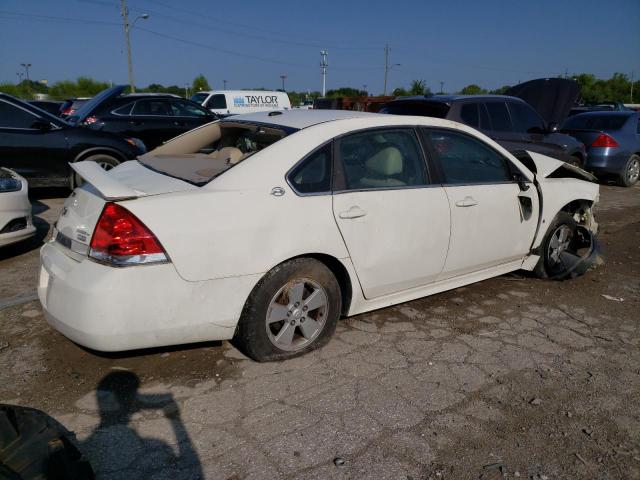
{"x":510,"y":121}
{"x":153,"y":118}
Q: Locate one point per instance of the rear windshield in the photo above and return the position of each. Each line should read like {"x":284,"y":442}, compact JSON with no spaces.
{"x":202,"y":154}
{"x":595,"y":122}
{"x":199,"y":97}
{"x":421,"y":109}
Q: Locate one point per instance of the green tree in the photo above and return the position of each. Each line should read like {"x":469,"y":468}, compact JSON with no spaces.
{"x":473,"y":89}
{"x":200,"y":83}
{"x":500,"y":91}
{"x":399,"y":92}
{"x":419,"y":87}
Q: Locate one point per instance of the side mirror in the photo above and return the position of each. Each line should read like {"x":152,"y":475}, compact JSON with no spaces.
{"x":41,"y":124}
{"x":553,"y":127}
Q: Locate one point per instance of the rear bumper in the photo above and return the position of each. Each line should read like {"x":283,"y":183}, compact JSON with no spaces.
{"x":115,"y":309}
{"x":606,"y":161}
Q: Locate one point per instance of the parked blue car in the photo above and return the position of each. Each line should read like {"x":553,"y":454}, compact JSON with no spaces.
{"x":613,"y":143}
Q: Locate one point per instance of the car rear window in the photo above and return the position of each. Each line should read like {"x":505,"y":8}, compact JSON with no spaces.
{"x":420,"y":109}
{"x":596,"y":122}
{"x":206,"y":152}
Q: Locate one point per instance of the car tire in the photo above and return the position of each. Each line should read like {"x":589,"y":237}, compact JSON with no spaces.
{"x":107,"y":162}
{"x":631,"y":172}
{"x":553,"y":244}
{"x":576,"y":161}
{"x":292,"y":310}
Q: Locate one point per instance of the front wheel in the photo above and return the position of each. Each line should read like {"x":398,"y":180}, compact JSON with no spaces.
{"x":631,"y":172}
{"x":292,"y":310}
{"x":107,"y":162}
{"x":559,"y":248}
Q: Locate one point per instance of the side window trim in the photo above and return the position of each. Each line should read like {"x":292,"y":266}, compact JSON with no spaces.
{"x":510,"y":167}
{"x":339,"y":182}
{"x":287,"y":176}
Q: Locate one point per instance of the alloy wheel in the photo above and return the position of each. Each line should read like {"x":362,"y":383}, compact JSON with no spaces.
{"x":297,"y":314}
{"x":633,"y":171}
{"x":559,"y":243}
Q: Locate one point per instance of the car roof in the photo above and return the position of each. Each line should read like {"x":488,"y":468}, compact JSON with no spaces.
{"x":299,"y":118}
{"x":454,"y":98}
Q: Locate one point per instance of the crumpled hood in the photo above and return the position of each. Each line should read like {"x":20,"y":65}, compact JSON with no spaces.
{"x":546,"y":166}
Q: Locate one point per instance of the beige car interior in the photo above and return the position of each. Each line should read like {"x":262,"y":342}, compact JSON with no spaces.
{"x":207,"y":151}
{"x":382,"y":166}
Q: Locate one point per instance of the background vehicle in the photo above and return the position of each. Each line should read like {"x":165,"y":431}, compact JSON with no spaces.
{"x":153,"y":118}
{"x":613,"y":143}
{"x":15,"y":209}
{"x":315,"y":213}
{"x":360,"y":104}
{"x":606,"y":106}
{"x":510,"y":121}
{"x":40,"y":146}
{"x":235,"y":102}
{"x":48,"y":106}
{"x":71,"y":105}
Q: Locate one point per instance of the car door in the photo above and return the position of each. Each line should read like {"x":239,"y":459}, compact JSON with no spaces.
{"x":528,"y":124}
{"x":394,"y":221}
{"x":187,"y":116}
{"x":493,"y":221}
{"x":501,"y":129}
{"x":152,"y":122}
{"x":33,"y":146}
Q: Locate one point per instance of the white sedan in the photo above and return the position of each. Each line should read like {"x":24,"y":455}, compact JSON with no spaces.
{"x":266,"y":228}
{"x":15,"y":208}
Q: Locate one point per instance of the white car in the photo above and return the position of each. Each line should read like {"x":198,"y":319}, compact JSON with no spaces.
{"x":238,"y":102}
{"x":15,"y":209}
{"x":266,"y":228}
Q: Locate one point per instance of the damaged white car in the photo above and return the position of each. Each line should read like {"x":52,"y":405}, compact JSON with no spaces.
{"x":15,"y":208}
{"x":266,"y":228}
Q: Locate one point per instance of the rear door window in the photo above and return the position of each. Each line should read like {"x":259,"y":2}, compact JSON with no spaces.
{"x":124,"y":110}
{"x":525,"y":119}
{"x":218,"y":102}
{"x":466,"y":160}
{"x":469,"y":114}
{"x":382,"y":159}
{"x":181,"y":108}
{"x":500,"y":120}
{"x":151,"y":107}
{"x":313,"y":174}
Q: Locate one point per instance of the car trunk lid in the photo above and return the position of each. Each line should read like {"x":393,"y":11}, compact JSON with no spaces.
{"x":130,"y":180}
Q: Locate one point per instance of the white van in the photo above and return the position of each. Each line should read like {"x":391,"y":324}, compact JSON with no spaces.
{"x":235,"y":102}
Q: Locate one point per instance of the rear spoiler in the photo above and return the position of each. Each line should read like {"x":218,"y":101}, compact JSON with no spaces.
{"x":109,"y":188}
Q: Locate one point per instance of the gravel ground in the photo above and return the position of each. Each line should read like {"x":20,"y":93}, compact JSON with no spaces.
{"x":511,"y":377}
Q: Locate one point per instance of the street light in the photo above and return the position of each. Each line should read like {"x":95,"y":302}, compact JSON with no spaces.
{"x":224,"y":83}
{"x":127,"y":27}
{"x":26,"y":66}
{"x":283,"y":78}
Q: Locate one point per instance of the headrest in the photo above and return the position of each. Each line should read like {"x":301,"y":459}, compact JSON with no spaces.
{"x":228,"y":154}
{"x":387,"y":161}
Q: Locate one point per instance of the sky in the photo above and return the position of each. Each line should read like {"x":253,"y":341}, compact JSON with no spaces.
{"x":251,"y":43}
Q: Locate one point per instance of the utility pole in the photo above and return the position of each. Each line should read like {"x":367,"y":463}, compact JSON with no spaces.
{"x":127,"y":26}
{"x":631,"y":94}
{"x":26,"y":66}
{"x":224,"y":83}
{"x":125,"y":17}
{"x":283,"y":77}
{"x":186,"y":90}
{"x":386,"y":67}
{"x":19,"y":75}
{"x":441,"y":88}
{"x":323,"y":65}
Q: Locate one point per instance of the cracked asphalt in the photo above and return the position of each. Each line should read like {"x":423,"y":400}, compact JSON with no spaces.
{"x":513,"y":377}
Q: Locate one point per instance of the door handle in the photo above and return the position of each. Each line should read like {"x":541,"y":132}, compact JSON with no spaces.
{"x":467,"y":202}
{"x":179,"y":124}
{"x":353,"y":212}
{"x":135,"y":123}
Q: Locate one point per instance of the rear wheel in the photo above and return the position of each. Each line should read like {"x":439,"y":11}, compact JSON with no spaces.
{"x":292,"y":310}
{"x":107,"y":162}
{"x":576,"y":161}
{"x":631,"y":172}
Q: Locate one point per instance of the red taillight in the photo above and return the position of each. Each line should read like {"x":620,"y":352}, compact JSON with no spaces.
{"x":604,"y":140}
{"x":90,"y":120}
{"x":122,"y":239}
